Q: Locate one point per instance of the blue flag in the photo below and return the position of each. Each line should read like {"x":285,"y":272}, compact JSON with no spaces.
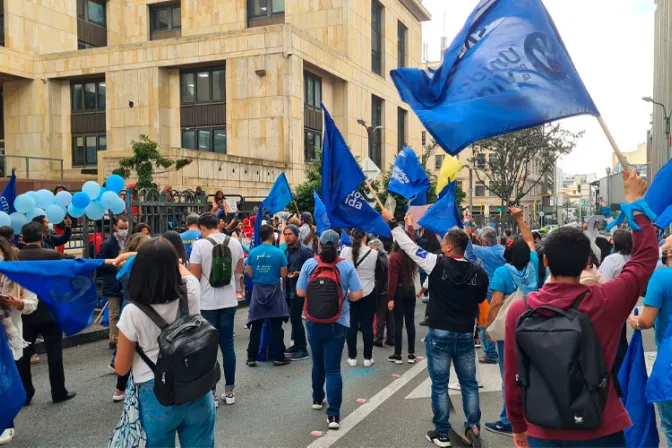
{"x":506,"y":70}
{"x":12,"y":393}
{"x":9,"y":195}
{"x":66,"y":286}
{"x":345,"y":239}
{"x":444,"y":214}
{"x":408,"y":178}
{"x":632,"y":378}
{"x":257,"y":225}
{"x":659,"y":386}
{"x":320,"y":214}
{"x":279,"y":196}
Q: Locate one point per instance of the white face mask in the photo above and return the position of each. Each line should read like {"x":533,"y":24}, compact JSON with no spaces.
{"x":122,"y":233}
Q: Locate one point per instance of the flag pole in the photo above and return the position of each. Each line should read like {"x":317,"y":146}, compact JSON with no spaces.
{"x":375,"y":195}
{"x":619,"y":155}
{"x":297,"y":207}
{"x":101,"y":313}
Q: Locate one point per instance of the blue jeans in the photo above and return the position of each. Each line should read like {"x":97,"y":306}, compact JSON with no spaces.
{"x":222,"y":320}
{"x":616,"y":440}
{"x":194,"y":422}
{"x":502,"y":416}
{"x":665,"y":412}
{"x":442,"y":347}
{"x":327,"y":342}
{"x":489,"y":348}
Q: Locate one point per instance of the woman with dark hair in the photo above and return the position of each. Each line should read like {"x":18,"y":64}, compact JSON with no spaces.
{"x":142,"y":227}
{"x":612,"y":265}
{"x":219,"y":204}
{"x":367,"y":264}
{"x":176,"y":240}
{"x":158,"y":280}
{"x":401,"y":296}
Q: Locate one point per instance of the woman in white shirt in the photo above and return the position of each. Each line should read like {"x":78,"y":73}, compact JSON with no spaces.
{"x":157,"y":279}
{"x":363,"y":311}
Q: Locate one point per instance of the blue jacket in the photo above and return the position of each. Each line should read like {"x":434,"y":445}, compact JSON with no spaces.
{"x":110,"y":249}
{"x":295,"y":259}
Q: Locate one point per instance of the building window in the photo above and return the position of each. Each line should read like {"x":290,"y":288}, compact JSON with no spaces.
{"x":91,"y":24}
{"x":479,"y":191}
{"x":265,"y":12}
{"x":91,"y":11}
{"x":376,"y":37}
{"x":480,"y":161}
{"x":203,"y":86}
{"x":85,"y":149}
{"x":312,"y":115}
{"x":424,"y":138}
{"x":210,"y":139}
{"x":376,"y":147}
{"x":88,"y":96}
{"x":492,"y":194}
{"x":165,"y":21}
{"x":88,"y":102}
{"x":2,"y":28}
{"x":402,"y":32}
{"x":401,"y":128}
{"x":438,"y":161}
{"x":203,"y":109}
{"x":312,"y":142}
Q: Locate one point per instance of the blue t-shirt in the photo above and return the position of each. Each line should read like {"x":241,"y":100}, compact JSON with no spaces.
{"x":659,"y":295}
{"x":188,"y":239}
{"x":349,"y":282}
{"x":503,"y":281}
{"x":489,"y":257}
{"x":266,"y":262}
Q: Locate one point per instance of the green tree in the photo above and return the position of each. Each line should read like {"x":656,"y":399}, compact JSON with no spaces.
{"x":145,"y":161}
{"x":303,"y":193}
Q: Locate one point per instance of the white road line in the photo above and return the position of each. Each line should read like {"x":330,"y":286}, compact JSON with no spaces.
{"x":348,"y":423}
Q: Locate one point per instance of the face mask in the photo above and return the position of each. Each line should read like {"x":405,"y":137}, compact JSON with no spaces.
{"x":50,"y":226}
{"x":122,"y":233}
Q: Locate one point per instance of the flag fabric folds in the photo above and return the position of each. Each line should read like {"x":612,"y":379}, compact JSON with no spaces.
{"x":341,"y":175}
{"x":66,"y":286}
{"x":506,"y":70}
{"x":12,"y":393}
{"x":632,"y":378}
{"x":345,"y":239}
{"x":408,"y":178}
{"x":449,"y":168}
{"x":320,"y":214}
{"x":279,"y":196}
{"x":444,"y":215}
{"x":9,"y":195}
{"x":659,"y":386}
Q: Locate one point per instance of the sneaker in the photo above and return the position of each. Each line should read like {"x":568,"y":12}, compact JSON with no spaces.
{"x":291,"y":350}
{"x":284,"y":362}
{"x":499,"y":428}
{"x":473,"y":435}
{"x":35,"y":359}
{"x":334,"y":422}
{"x":395,"y":359}
{"x":352,"y":362}
{"x":229,"y":398}
{"x":411,"y":359}
{"x":251,"y":363}
{"x":424,"y":323}
{"x":368,"y":362}
{"x":299,"y":355}
{"x":7,"y":436}
{"x":477,"y":343}
{"x":436,"y":439}
{"x":318,"y":405}
{"x":377,"y":343}
{"x":118,"y":395}
{"x":484,"y":360}
{"x":110,"y":366}
{"x":216,"y":402}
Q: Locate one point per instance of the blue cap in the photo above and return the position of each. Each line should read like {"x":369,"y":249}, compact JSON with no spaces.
{"x":330,"y":236}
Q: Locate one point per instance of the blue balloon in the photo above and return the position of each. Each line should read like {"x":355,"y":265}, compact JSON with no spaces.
{"x":44,"y":198}
{"x":24,"y":203}
{"x":119,"y":206}
{"x":32,"y":194}
{"x":75,"y":212}
{"x":108,"y":199}
{"x":102,"y":192}
{"x":55,"y":213}
{"x":4,"y":219}
{"x":34,"y":213}
{"x":91,"y":188}
{"x":63,"y":198}
{"x":81,"y":200}
{"x":115,"y":183}
{"x":95,"y":211}
{"x":17,"y":220}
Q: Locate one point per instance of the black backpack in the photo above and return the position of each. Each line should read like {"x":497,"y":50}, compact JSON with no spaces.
{"x":187,"y":367}
{"x":221,"y":268}
{"x":562,"y":374}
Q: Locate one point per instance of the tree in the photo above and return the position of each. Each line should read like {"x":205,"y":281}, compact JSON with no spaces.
{"x":303,"y":193}
{"x":145,"y":161}
{"x":511,"y":165}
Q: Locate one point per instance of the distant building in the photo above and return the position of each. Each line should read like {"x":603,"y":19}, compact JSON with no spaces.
{"x":662,"y":85}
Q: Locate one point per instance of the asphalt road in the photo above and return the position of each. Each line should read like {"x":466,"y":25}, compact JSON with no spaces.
{"x":273,"y":406}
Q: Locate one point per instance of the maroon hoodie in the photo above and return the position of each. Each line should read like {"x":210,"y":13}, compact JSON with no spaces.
{"x":608,"y":306}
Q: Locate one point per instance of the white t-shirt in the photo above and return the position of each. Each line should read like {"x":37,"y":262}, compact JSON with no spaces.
{"x":366,"y":269}
{"x":137,"y":327}
{"x":201,"y":253}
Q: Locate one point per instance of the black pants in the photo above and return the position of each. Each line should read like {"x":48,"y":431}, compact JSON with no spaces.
{"x":295,"y":317}
{"x":277,"y":344}
{"x":384,"y":317}
{"x":361,"y":317}
{"x":53,"y":341}
{"x":404,"y":310}
{"x":122,"y":381}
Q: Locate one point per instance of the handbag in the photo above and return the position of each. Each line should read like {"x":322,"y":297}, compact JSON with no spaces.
{"x":497,"y":328}
{"x":129,"y":432}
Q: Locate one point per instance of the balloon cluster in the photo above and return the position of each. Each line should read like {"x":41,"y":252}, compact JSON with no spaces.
{"x":93,"y":200}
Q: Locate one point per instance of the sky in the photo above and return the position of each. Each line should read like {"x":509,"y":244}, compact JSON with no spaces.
{"x":611,"y":44}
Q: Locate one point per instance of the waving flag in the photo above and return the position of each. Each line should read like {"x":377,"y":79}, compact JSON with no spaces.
{"x":12,"y":393}
{"x":506,"y":70}
{"x":659,"y":386}
{"x":279,"y":196}
{"x":444,"y":215}
{"x":449,"y":168}
{"x":408,"y":178}
{"x":66,"y":286}
{"x":9,"y":195}
{"x":345,"y":239}
{"x":320,"y":214}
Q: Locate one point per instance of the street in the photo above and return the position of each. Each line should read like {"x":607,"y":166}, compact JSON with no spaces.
{"x":273,"y":405}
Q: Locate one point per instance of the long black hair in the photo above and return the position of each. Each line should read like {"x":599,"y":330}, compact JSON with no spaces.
{"x":176,"y":240}
{"x":328,"y":252}
{"x":622,"y":242}
{"x":6,"y":249}
{"x":433,"y":243}
{"x":155,"y":277}
{"x":357,"y":237}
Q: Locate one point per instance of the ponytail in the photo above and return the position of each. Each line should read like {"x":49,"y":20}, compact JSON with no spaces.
{"x":357,"y":236}
{"x":328,"y":253}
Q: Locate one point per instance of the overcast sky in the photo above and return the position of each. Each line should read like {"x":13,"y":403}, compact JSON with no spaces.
{"x":611,"y":44}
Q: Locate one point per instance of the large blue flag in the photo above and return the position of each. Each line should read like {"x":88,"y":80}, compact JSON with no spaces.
{"x":345,"y":239}
{"x":506,"y":70}
{"x":12,"y":393}
{"x":354,"y":212}
{"x":408,"y":178}
{"x":66,"y":286}
{"x":279,"y":196}
{"x":659,"y":386}
{"x":632,"y":378}
{"x":9,"y":195}
{"x":257,"y":226}
{"x":320,"y":214}
{"x":444,"y":214}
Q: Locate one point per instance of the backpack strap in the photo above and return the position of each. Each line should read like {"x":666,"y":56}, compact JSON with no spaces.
{"x":212,"y":241}
{"x":577,"y":302}
{"x":145,"y":358}
{"x":183,"y":306}
{"x":226,"y":240}
{"x":363,"y":258}
{"x":152,"y":314}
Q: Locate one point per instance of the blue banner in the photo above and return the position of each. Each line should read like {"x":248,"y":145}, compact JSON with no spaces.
{"x":279,"y":196}
{"x":408,"y":178}
{"x":320,"y":215}
{"x":12,"y":393}
{"x":9,"y":195}
{"x":444,"y":215}
{"x":506,"y":70}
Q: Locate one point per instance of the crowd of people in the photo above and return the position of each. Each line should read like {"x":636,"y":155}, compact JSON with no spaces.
{"x":481,"y":288}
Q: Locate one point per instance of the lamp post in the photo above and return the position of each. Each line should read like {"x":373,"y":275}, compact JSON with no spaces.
{"x":608,"y":189}
{"x":369,"y":131}
{"x":648,"y":99}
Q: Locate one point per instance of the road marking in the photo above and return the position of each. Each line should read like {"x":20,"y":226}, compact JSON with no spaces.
{"x":348,"y":423}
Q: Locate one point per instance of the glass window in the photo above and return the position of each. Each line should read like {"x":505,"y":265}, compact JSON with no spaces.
{"x":80,"y":9}
{"x":203,"y":87}
{"x":318,"y":92}
{"x":204,"y":140}
{"x":376,"y":37}
{"x":188,"y":139}
{"x":161,"y":19}
{"x":401,"y":128}
{"x":78,"y":151}
{"x":278,"y":6}
{"x":218,"y":85}
{"x":188,"y":87}
{"x":310,"y":91}
{"x":77,"y":98}
{"x":91,"y":149}
{"x":177,"y":17}
{"x":438,"y":161}
{"x":220,"y":141}
{"x":90,"y":96}
{"x":401,"y":44}
{"x":257,"y":8}
{"x":101,"y":95}
{"x":480,"y":189}
{"x":102,"y":143}
{"x":96,"y":12}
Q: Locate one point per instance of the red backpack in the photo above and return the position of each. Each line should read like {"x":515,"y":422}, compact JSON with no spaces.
{"x":324,"y":296}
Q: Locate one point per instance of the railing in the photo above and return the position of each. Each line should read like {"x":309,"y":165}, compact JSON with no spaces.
{"x":27,"y":159}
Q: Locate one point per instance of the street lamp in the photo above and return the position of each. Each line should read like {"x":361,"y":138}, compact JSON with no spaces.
{"x":648,"y":99}
{"x":369,"y":131}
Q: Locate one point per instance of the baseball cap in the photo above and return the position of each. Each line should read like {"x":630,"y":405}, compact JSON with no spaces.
{"x":330,"y":236}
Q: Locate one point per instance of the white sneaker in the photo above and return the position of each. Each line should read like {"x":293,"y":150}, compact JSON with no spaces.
{"x":352,"y":362}
{"x":7,"y":436}
{"x":119,"y":395}
{"x":214,"y":396}
{"x":454,"y":386}
{"x":229,"y":398}
{"x":368,"y":362}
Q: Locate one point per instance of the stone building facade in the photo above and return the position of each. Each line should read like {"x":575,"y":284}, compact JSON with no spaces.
{"x":234,"y":84}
